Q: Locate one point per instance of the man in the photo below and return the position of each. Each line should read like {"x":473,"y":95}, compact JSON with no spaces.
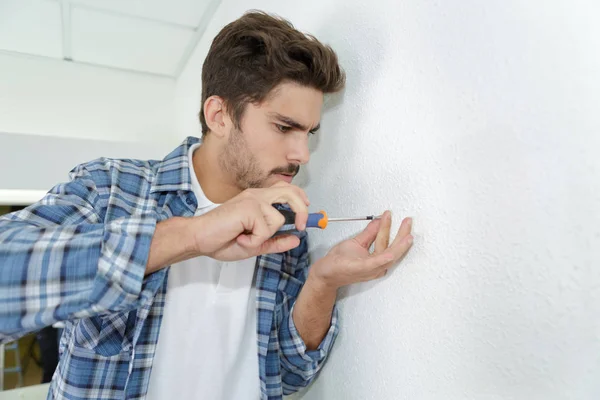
{"x":167,"y":273}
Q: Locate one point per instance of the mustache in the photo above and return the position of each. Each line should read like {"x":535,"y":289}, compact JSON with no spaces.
{"x":291,"y":169}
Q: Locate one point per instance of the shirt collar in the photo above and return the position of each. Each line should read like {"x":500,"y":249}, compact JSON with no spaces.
{"x":173,"y":173}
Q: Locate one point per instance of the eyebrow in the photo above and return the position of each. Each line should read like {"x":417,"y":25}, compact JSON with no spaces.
{"x":294,"y":124}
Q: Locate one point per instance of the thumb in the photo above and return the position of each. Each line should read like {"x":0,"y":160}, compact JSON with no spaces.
{"x":278,"y":244}
{"x":368,"y":235}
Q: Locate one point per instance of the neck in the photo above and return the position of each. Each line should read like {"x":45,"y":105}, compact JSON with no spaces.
{"x":216,"y":184}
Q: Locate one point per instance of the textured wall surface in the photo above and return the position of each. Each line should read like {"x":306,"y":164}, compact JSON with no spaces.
{"x":481,"y":121}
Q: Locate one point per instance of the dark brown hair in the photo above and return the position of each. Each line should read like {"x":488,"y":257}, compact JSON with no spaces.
{"x":255,"y":53}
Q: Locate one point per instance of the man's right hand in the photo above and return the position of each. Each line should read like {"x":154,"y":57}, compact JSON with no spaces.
{"x":240,"y":228}
{"x":244,"y":226}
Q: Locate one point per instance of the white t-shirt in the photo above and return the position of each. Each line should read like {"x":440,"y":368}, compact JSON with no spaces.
{"x":207,"y":346}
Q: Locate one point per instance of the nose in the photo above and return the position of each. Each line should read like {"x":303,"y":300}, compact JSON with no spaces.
{"x":298,"y":151}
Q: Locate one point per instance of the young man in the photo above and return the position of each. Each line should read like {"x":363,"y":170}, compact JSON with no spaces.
{"x":167,"y":272}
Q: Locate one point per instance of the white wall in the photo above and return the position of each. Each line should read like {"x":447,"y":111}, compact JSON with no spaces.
{"x":38,"y":162}
{"x":55,"y":115}
{"x":480,"y":120}
{"x":54,"y":98}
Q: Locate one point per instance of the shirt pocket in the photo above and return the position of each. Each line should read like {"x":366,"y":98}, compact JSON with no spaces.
{"x":85,"y":374}
{"x":106,"y":335}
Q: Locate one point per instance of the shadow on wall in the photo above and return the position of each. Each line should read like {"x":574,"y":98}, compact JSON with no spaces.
{"x":357,"y":43}
{"x":360,"y":46}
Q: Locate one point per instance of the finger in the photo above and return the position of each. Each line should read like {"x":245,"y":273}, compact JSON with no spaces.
{"x":381,"y":274}
{"x":399,"y":248}
{"x":406,"y":227}
{"x":301,"y":220}
{"x":404,"y":230}
{"x":302,"y":194}
{"x":378,"y":273}
{"x":282,"y":192}
{"x":252,"y":240}
{"x":296,"y":203}
{"x":382,"y":240}
{"x":260,"y":225}
{"x":373,"y":262}
{"x":278,"y":244}
{"x":368,"y":235}
{"x":289,"y":186}
{"x":273,"y":218}
{"x":380,"y":261}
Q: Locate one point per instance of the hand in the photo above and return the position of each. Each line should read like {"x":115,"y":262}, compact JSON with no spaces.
{"x":350,"y":261}
{"x":243,"y":226}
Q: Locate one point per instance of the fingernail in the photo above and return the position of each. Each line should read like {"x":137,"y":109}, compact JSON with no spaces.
{"x":409,"y":240}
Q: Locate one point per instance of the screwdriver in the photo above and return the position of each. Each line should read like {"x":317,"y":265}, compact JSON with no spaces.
{"x":315,"y":220}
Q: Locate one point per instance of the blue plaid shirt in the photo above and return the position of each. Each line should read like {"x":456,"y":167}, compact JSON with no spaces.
{"x":79,"y":256}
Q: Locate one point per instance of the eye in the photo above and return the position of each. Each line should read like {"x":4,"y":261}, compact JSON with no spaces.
{"x":283,"y":128}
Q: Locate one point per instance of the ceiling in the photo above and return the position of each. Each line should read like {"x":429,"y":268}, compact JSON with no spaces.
{"x":145,"y":36}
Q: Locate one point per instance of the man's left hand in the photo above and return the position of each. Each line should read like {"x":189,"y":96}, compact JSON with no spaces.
{"x":351,"y":261}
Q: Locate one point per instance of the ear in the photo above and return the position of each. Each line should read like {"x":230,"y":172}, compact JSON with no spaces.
{"x":216,"y":116}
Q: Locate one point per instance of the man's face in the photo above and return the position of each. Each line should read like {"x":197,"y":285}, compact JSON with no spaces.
{"x":273,"y":141}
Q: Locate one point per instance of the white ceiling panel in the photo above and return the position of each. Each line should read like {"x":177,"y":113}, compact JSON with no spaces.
{"x":31,"y":26}
{"x":129,"y":43}
{"x":183,"y":12}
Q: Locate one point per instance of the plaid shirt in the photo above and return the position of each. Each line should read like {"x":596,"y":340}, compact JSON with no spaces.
{"x":79,"y":256}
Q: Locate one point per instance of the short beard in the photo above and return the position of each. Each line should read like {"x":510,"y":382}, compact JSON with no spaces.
{"x":237,"y":160}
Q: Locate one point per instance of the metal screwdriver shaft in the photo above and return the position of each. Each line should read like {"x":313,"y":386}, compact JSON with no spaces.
{"x":366,"y":218}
